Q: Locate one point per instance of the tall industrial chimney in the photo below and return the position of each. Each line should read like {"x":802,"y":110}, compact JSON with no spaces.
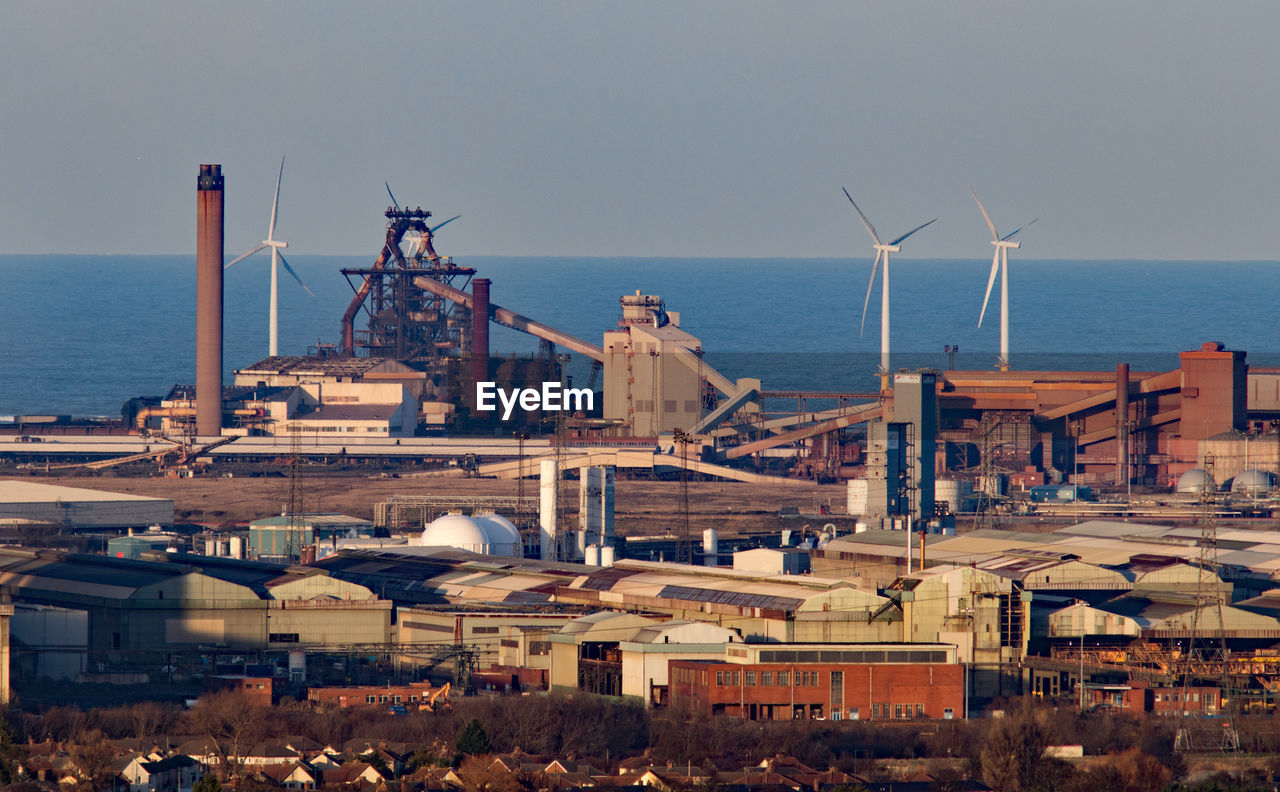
{"x":209,"y":301}
{"x":479,"y":331}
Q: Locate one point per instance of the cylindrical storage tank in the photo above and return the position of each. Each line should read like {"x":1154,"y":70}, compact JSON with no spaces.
{"x":711,"y":541}
{"x":210,"y":547}
{"x":549,"y":475}
{"x":237,"y":547}
{"x":607,"y":555}
{"x":952,"y":491}
{"x":857,"y":496}
{"x":606,"y":505}
{"x":593,"y":555}
{"x":224,"y":548}
{"x":994,"y":484}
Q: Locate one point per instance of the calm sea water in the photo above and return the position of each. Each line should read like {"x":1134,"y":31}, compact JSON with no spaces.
{"x":81,"y":334}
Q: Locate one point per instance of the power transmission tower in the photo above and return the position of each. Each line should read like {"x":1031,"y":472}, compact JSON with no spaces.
{"x":1199,"y":729}
{"x":521,"y":511}
{"x":294,"y":517}
{"x":986,"y":469}
{"x":684,"y":545}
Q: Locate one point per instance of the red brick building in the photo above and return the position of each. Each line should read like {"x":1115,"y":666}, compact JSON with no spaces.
{"x":899,"y":682}
{"x":415,"y":695}
{"x":258,"y":689}
{"x":1136,"y":697}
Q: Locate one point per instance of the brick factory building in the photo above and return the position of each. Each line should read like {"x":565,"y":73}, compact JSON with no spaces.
{"x":808,"y":682}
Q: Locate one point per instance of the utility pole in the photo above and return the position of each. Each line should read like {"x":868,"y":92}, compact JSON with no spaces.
{"x":1081,"y":655}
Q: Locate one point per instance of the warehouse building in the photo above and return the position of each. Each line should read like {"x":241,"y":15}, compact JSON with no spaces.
{"x":135,"y":609}
{"x":282,"y":537}
{"x":76,"y":509}
{"x":625,"y":654}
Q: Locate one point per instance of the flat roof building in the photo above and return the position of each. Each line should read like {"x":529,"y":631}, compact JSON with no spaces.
{"x":76,"y":508}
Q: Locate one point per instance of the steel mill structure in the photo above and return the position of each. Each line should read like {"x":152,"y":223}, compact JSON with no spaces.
{"x":411,"y":369}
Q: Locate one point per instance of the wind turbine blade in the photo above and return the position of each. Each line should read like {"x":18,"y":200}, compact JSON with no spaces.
{"x":244,"y":255}
{"x":871,"y":229}
{"x":1016,"y":230}
{"x":394,"y":202}
{"x":445,"y":223}
{"x":912,"y":231}
{"x":991,"y":281}
{"x":275,"y":203}
{"x":870,"y":285}
{"x":295,"y":276}
{"x":986,"y":216}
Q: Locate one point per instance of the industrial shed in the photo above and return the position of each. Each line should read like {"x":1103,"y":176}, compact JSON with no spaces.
{"x":81,"y":509}
{"x":137,"y":608}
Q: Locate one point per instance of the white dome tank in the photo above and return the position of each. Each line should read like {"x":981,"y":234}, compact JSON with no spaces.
{"x":1253,"y":482}
{"x":504,"y":537}
{"x":505,"y":525}
{"x":1192,"y":482}
{"x":478,"y":535}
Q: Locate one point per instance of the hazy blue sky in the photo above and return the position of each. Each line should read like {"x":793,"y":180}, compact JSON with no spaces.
{"x":1143,"y":129}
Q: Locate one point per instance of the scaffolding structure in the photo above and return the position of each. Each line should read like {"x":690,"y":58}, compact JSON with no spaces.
{"x":405,"y":321}
{"x":409,"y":512}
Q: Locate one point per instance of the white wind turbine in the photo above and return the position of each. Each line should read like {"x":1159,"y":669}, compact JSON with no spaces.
{"x":882,"y":251}
{"x":276,"y":258}
{"x":419,"y":241}
{"x":1000,"y":261}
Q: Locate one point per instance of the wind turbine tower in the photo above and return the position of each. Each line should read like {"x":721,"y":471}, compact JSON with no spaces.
{"x":277,"y":258}
{"x":1000,"y":261}
{"x":882,"y":251}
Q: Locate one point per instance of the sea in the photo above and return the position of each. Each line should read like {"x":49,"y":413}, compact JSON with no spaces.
{"x":82,"y":334}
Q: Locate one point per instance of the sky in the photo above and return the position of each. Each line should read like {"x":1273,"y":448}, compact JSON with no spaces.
{"x":1145,"y":129}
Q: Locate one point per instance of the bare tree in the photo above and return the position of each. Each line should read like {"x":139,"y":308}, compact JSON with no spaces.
{"x":233,"y":723}
{"x":1015,"y":744}
{"x":481,"y":774}
{"x":91,"y":759}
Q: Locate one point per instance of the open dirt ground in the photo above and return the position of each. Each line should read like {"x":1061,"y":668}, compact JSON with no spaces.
{"x":641,"y":507}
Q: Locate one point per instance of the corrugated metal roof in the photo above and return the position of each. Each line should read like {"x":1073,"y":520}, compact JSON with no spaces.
{"x":742,"y":599}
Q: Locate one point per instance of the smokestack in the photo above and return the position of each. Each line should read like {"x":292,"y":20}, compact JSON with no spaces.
{"x":209,"y":301}
{"x":479,"y":331}
{"x":1122,"y":423}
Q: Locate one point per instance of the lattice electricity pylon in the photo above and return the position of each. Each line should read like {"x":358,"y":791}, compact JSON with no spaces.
{"x":1199,"y":730}
{"x":684,"y":545}
{"x":294,"y":517}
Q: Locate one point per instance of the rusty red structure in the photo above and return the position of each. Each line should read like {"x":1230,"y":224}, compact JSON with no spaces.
{"x":480,"y":329}
{"x":406,"y":322}
{"x":209,"y":236}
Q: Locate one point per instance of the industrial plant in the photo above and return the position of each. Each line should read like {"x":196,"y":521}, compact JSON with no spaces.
{"x":914,"y":595}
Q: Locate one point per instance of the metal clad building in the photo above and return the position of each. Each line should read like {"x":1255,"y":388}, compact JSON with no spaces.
{"x":78,"y":508}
